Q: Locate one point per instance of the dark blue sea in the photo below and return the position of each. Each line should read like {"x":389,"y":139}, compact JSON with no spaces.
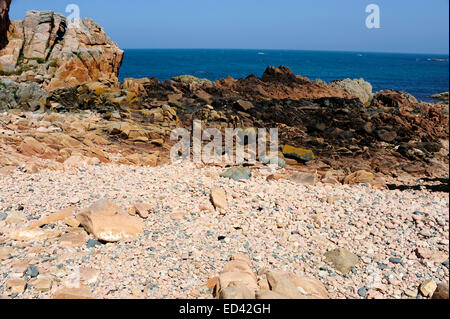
{"x":417,"y":74}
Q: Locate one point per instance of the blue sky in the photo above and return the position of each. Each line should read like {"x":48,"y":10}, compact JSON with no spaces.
{"x":408,"y":26}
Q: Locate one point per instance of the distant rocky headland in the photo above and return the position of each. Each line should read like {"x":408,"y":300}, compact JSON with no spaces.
{"x":64,"y":113}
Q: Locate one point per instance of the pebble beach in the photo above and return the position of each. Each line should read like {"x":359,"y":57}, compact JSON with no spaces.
{"x":401,"y":239}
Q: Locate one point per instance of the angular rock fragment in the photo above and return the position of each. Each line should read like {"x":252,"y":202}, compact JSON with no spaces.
{"x":109,"y":223}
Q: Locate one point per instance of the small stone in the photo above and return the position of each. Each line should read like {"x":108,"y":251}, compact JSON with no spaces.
{"x":237,"y":173}
{"x":303,"y":178}
{"x":89,"y":275}
{"x":266,"y":160}
{"x":244,"y":105}
{"x":142,"y":209}
{"x":32,"y":271}
{"x":34,"y":234}
{"x":428,"y":287}
{"x":17,"y":286}
{"x":74,"y":240}
{"x":92,"y":243}
{"x":382,"y":266}
{"x":20,"y":268}
{"x":342,"y":259}
{"x":219,"y":198}
{"x":82,"y":292}
{"x":363,"y":292}
{"x":15,"y":218}
{"x":5,"y":252}
{"x":43,"y":284}
{"x":395,"y":260}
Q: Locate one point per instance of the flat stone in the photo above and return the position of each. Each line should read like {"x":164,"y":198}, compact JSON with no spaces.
{"x":142,"y":209}
{"x":5,"y":252}
{"x":89,"y":275}
{"x":244,"y":105}
{"x":303,"y":178}
{"x":395,"y":260}
{"x":219,"y":198}
{"x":16,"y":218}
{"x":74,"y":240}
{"x":34,"y":234}
{"x":237,"y":173}
{"x":109,"y":223}
{"x":32,"y":271}
{"x":43,"y":284}
{"x":342,"y":259}
{"x":82,"y":292}
{"x":431,"y":254}
{"x":428,"y":287}
{"x":55,"y":217}
{"x":280,"y":162}
{"x":300,"y":154}
{"x":17,"y":286}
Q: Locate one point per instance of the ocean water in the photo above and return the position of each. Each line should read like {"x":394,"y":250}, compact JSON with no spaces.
{"x":416,"y":74}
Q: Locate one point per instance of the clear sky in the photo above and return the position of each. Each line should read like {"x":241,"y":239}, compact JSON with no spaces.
{"x":408,"y":26}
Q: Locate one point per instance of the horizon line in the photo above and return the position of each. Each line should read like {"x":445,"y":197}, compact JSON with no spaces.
{"x":303,"y":50}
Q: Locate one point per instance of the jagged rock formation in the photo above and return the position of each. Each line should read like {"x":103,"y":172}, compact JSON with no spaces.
{"x":44,"y":49}
{"x":276,"y":83}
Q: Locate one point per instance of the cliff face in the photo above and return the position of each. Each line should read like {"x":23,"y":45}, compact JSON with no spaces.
{"x":4,"y":22}
{"x":58,"y":55}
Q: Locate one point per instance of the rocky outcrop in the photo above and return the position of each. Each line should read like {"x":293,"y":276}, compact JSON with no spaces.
{"x":57,"y":55}
{"x":357,"y":87}
{"x":87,"y":54}
{"x":441,"y":96}
{"x":4,"y":22}
{"x":190,"y":79}
{"x":394,"y":99}
{"x":276,"y":83}
{"x":27,"y":95}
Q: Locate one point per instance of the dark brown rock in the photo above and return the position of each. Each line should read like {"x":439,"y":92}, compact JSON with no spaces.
{"x":4,"y":22}
{"x":441,"y":291}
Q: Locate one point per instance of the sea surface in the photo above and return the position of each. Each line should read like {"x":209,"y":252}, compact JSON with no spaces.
{"x":417,"y":74}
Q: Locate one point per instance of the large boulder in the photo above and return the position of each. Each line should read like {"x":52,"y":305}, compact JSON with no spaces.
{"x":357,"y":87}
